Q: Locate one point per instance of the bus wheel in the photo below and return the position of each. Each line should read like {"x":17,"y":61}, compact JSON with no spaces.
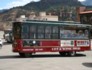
{"x":72,"y":53}
{"x":22,"y":54}
{"x":62,"y":53}
{"x":25,"y":54}
{"x":0,"y":46}
{"x":28,"y":54}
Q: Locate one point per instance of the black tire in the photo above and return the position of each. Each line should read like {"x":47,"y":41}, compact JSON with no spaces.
{"x":28,"y":54}
{"x":0,"y":46}
{"x":22,"y":54}
{"x":71,"y":53}
{"x":25,"y":54}
{"x":62,"y":53}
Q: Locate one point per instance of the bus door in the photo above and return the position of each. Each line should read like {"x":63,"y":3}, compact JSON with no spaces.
{"x":16,"y":36}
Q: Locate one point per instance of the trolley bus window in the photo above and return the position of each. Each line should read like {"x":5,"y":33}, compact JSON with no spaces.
{"x":55,"y":32}
{"x":25,"y":31}
{"x":74,"y":34}
{"x":33,"y":31}
{"x":48,"y":32}
{"x":40,"y":32}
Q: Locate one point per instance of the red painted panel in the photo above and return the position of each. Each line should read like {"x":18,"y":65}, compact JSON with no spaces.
{"x":47,"y":46}
{"x":17,"y":45}
{"x":57,"y":49}
{"x":50,"y":43}
{"x":85,"y":48}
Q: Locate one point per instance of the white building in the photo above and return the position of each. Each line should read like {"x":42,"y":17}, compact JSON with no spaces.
{"x":43,"y":16}
{"x":21,"y":18}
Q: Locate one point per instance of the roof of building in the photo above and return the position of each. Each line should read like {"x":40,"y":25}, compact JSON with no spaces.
{"x":86,"y":12}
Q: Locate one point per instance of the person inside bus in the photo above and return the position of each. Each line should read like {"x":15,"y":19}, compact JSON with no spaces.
{"x":80,"y":34}
{"x":86,"y":33}
{"x":73,"y":34}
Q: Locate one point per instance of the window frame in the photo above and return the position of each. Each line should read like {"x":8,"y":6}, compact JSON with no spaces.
{"x":25,"y":35}
{"x":40,"y":32}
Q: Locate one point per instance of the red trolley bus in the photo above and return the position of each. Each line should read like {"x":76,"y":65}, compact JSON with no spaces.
{"x":67,"y":38}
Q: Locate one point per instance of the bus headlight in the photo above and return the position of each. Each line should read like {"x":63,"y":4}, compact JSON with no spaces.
{"x":34,"y":42}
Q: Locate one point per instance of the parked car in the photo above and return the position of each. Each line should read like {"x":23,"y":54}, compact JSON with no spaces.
{"x":8,"y":35}
{"x":1,"y":43}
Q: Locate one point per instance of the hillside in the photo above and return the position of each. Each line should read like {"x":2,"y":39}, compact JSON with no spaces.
{"x":42,"y":5}
{"x":47,"y":4}
{"x":10,"y":15}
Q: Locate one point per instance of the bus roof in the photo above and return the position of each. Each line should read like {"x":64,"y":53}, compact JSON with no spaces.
{"x":58,"y":23}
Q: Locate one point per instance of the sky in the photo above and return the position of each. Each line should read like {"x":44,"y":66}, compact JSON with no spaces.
{"x":7,"y":4}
